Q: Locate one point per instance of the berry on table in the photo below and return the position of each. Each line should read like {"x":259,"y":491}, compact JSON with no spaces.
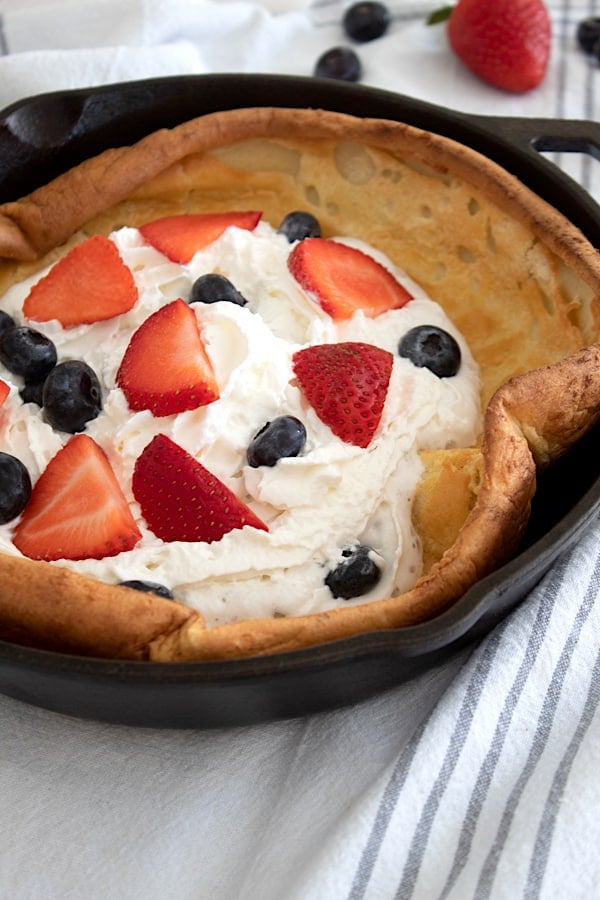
{"x":283,"y":437}
{"x":212,"y":288}
{"x":15,"y":487}
{"x":340,"y":63}
{"x":357,"y":573}
{"x":430,"y":347}
{"x":27,"y":352}
{"x":298,"y":225}
{"x":71,"y":396}
{"x":588,"y":35}
{"x":505,"y":42}
{"x":366,"y":21}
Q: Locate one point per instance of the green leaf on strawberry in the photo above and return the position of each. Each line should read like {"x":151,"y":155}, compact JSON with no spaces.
{"x":439,"y":15}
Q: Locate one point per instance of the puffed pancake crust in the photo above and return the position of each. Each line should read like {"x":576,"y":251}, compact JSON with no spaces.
{"x":519,"y":282}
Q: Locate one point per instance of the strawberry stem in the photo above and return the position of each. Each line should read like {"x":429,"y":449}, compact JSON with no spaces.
{"x":439,"y":15}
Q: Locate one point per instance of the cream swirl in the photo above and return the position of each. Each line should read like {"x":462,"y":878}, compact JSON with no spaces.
{"x":332,"y":495}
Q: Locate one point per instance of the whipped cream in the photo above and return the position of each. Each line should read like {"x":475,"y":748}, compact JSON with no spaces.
{"x":331,"y":496}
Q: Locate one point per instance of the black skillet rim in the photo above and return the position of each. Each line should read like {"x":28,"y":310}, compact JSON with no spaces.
{"x":398,"y":654}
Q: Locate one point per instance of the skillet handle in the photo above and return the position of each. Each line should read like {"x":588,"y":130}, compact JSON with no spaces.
{"x":553,"y":135}
{"x":534,"y":136}
{"x":531,"y":138}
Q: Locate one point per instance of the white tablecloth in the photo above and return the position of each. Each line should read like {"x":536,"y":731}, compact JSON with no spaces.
{"x":475,"y":780}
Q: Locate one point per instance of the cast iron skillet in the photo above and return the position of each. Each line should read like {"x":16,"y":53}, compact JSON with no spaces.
{"x":45,"y":135}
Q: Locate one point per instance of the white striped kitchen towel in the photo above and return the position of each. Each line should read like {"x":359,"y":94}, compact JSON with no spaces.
{"x":478,"y":779}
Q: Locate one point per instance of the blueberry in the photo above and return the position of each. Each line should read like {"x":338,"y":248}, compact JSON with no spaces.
{"x":72,"y":396}
{"x":212,"y":288}
{"x":588,"y":34}
{"x":433,"y":348}
{"x":33,"y":392}
{"x":15,"y":487}
{"x":282,"y":437}
{"x":298,"y":225}
{"x":340,"y":63}
{"x":149,"y":587}
{"x":27,"y":352}
{"x":355,"y":575}
{"x":366,"y":21}
{"x":6,"y":322}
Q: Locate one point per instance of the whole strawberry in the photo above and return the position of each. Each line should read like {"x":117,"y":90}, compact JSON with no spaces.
{"x":503,"y":42}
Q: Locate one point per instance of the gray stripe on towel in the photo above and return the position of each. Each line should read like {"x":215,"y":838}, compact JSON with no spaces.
{"x":384,"y":814}
{"x":394,"y":787}
{"x":543,"y":841}
{"x":455,"y":746}
{"x":4,"y":51}
{"x":546,"y":719}
{"x":488,"y":766}
{"x":587,"y":174}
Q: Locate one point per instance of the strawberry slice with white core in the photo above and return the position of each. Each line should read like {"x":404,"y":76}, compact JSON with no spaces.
{"x":90,"y":284}
{"x":77,"y":509}
{"x":181,"y":500}
{"x":166,"y":368}
{"x":346,"y":384}
{"x":343,"y":279}
{"x":4,"y":391}
{"x":180,"y":237}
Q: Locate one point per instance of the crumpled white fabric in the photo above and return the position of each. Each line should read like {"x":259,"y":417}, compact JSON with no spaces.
{"x":110,"y":41}
{"x":477,"y":779}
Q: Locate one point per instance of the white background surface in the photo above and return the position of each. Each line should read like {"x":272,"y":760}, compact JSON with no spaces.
{"x":475,"y":780}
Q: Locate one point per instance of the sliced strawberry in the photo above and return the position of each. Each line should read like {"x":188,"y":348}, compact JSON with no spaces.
{"x":343,"y":279}
{"x":179,"y":237}
{"x":4,"y":391}
{"x":91,"y":283}
{"x":77,"y":509}
{"x":166,"y":368}
{"x":181,"y":500}
{"x":346,"y":384}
